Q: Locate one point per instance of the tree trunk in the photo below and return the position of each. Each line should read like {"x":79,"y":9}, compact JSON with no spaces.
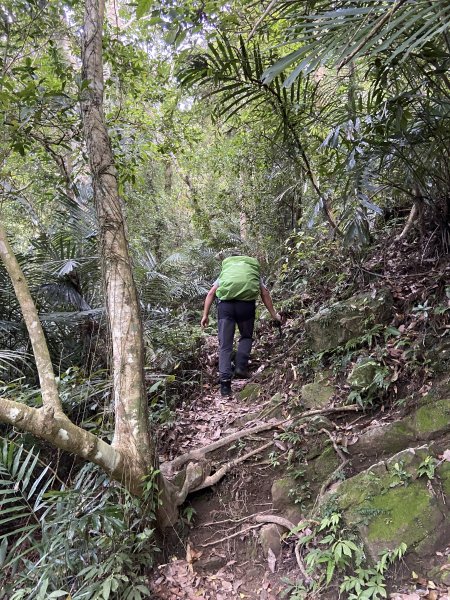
{"x":132,"y":454}
{"x":131,"y":435}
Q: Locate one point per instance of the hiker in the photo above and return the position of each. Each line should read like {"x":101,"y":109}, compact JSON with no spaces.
{"x":236,"y":288}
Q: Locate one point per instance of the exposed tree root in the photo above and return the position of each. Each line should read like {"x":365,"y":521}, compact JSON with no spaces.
{"x":199,"y":454}
{"x":261,"y":520}
{"x":276,"y":520}
{"x":229,"y":537}
{"x":327,"y":482}
{"x":335,"y":446}
{"x":217,"y":476}
{"x":235,"y":521}
{"x":332,"y":476}
{"x":197,"y":473}
{"x":170,"y":467}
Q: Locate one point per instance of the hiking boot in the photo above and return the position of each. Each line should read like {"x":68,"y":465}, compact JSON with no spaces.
{"x":241,"y":374}
{"x":225,"y":387}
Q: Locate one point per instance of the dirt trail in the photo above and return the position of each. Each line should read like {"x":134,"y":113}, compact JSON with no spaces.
{"x":216,"y":552}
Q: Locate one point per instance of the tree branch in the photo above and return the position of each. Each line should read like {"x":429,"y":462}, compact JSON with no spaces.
{"x":49,"y":390}
{"x":57,"y":429}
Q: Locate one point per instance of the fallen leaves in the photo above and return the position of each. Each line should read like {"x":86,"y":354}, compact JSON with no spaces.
{"x":178,"y":581}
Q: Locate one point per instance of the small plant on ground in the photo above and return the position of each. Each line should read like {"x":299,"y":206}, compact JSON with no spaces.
{"x":427,"y":467}
{"x":402,"y":476}
{"x":333,"y":555}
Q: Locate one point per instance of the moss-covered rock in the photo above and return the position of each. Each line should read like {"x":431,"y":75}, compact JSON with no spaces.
{"x":428,"y":422}
{"x":325,"y":464}
{"x":251,"y":391}
{"x":431,"y":419}
{"x":349,"y":319}
{"x":316,"y":423}
{"x":384,"y":440}
{"x":316,"y":395}
{"x":390,"y":504}
{"x":363,"y":373}
{"x":443,"y":472}
{"x":282,"y":490}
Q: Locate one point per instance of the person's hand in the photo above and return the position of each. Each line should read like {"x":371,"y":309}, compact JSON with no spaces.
{"x":205,"y":321}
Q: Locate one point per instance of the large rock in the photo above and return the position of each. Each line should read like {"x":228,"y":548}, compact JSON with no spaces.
{"x":428,"y":422}
{"x":285,"y":492}
{"x":270,"y":538}
{"x":431,"y":420}
{"x":348,"y":319}
{"x":250,"y":392}
{"x":389,"y":503}
{"x":363,"y":373}
{"x":282,"y":493}
{"x":316,"y":395}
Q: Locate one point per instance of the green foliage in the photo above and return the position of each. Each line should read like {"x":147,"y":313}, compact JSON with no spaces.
{"x":312,"y":263}
{"x":91,"y":541}
{"x":369,"y":583}
{"x":402,"y":477}
{"x":427,"y":467}
{"x":330,"y":556}
{"x":23,"y":486}
{"x":366,"y":394}
{"x":396,"y":34}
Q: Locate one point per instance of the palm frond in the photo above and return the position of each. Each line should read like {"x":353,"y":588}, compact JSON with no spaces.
{"x":235,"y":72}
{"x":336,"y":33}
{"x":11,"y":359}
{"x":23,"y":485}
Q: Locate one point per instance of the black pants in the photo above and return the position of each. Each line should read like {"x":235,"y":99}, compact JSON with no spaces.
{"x":231,"y":313}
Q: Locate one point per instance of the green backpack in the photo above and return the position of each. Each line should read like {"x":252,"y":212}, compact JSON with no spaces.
{"x":239,"y":279}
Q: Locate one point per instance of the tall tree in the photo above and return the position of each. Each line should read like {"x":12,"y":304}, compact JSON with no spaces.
{"x":131,"y":455}
{"x":131,"y":436}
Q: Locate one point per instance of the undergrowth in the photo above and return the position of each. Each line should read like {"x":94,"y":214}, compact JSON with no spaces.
{"x":92,"y":540}
{"x":333,"y":556}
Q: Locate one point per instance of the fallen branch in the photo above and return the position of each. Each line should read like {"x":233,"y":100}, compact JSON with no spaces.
{"x":409,"y":222}
{"x":229,"y":537}
{"x":329,"y":411}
